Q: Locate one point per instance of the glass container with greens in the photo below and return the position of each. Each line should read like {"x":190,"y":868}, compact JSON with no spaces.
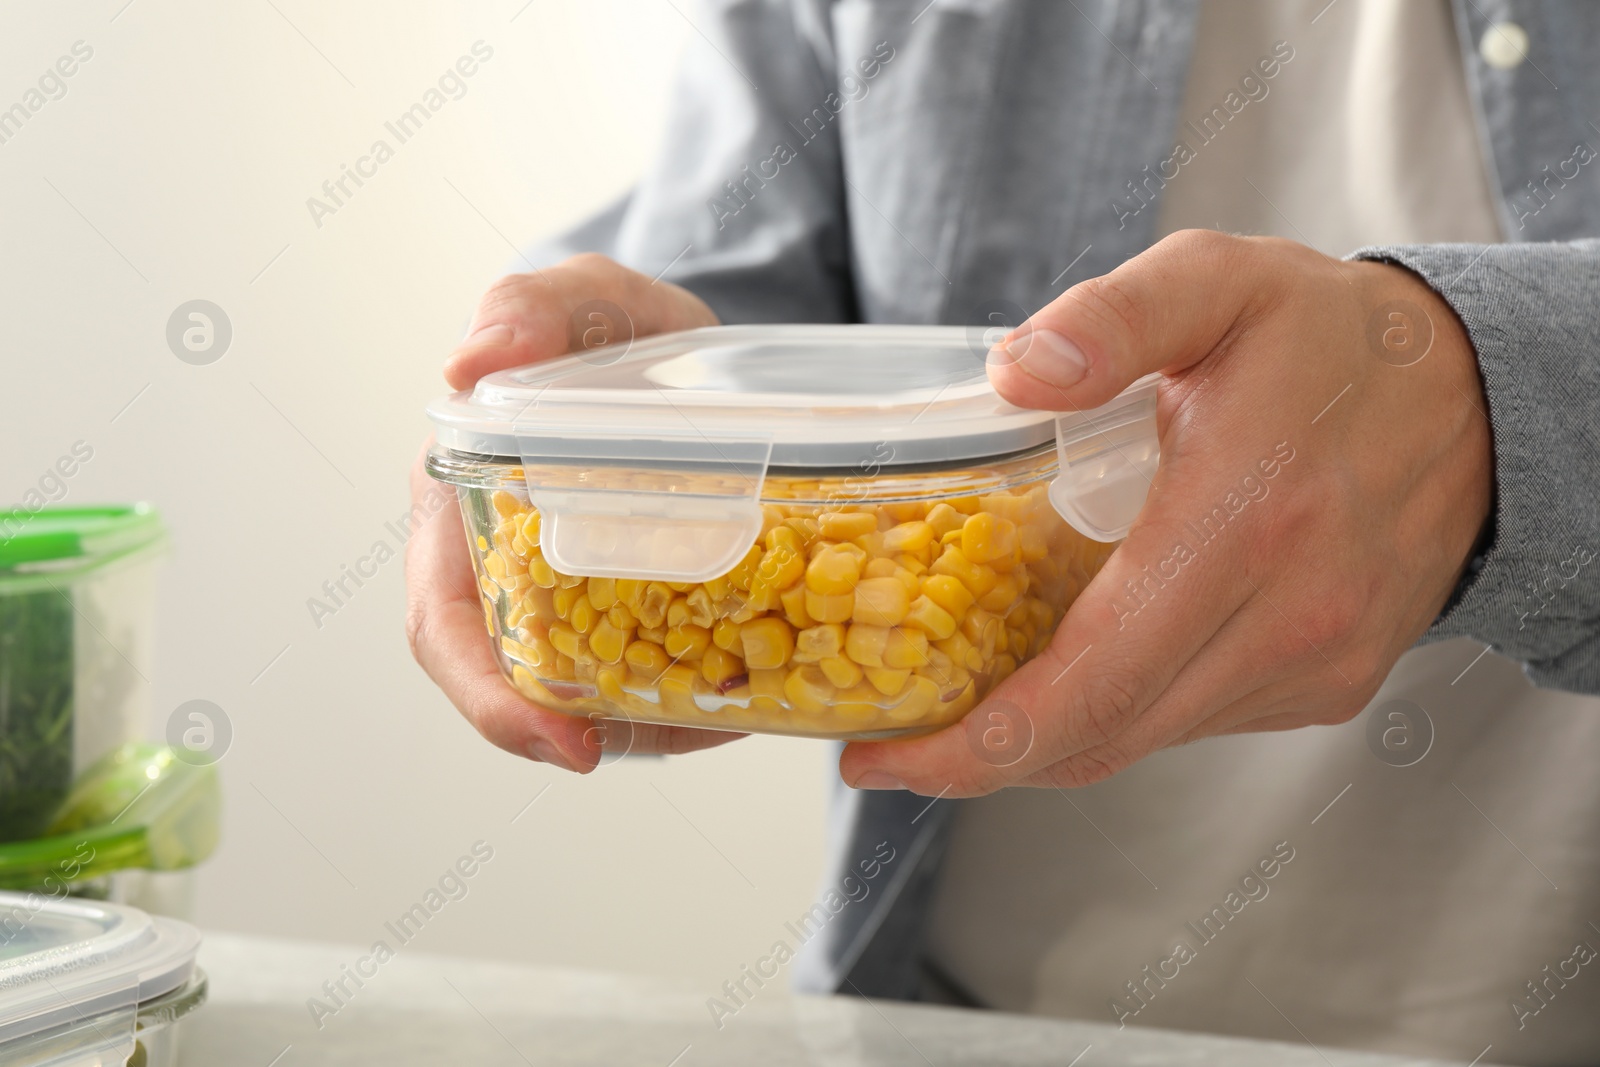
{"x":76,"y":599}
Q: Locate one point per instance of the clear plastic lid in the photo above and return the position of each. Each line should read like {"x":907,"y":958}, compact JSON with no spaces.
{"x":64,"y":961}
{"x":674,"y":435}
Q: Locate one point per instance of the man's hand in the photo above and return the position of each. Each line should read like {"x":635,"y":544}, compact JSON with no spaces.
{"x":1325,"y":473}
{"x":587,"y":300}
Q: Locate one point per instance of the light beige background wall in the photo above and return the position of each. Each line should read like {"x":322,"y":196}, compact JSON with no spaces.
{"x":177,"y":166}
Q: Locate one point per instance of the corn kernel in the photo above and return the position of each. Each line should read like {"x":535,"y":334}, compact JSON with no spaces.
{"x":608,"y":642}
{"x":725,"y":634}
{"x":905,"y":649}
{"x":583,"y":616}
{"x":680,"y":587}
{"x":816,"y":643}
{"x":700,"y":610}
{"x":630,"y":592}
{"x":975,"y":576}
{"x":967,"y":505}
{"x":833,"y":573}
{"x":658,"y":634}
{"x":919,"y":701}
{"x":620,"y":617}
{"x":930,"y":618}
{"x":881,"y":602}
{"x":768,"y":643}
{"x":1007,"y":592}
{"x":678,"y":611}
{"x":676,"y":689}
{"x":886,"y":680}
{"x":879,"y":567}
{"x":987,"y":537}
{"x":602,"y":593}
{"x":961,"y":651}
{"x":846,"y":525}
{"x":483,"y":543}
{"x":786,"y":536}
{"x":495,"y":564}
{"x":1017,"y":641}
{"x":652,"y":609}
{"x":794,"y":607}
{"x":943,"y":519}
{"x":687,"y":641}
{"x":842,"y":671}
{"x":609,"y":681}
{"x":566,"y":670}
{"x":745,"y":569}
{"x":767,"y":683}
{"x":908,"y":537}
{"x":865,"y":644}
{"x":647,"y":659}
{"x":825,"y":608}
{"x":568,"y":581}
{"x":505,"y":505}
{"x":808,"y":689}
{"x":530,"y":526}
{"x":565,"y":599}
{"x":565,"y":639}
{"x":719,"y":668}
{"x":948,"y":593}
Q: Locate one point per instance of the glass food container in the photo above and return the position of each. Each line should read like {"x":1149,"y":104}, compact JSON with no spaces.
{"x":88,"y":984}
{"x":828,"y":531}
{"x":76,"y":604}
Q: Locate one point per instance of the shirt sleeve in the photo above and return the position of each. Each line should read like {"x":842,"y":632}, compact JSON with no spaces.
{"x":1532,"y":312}
{"x":744,"y":203}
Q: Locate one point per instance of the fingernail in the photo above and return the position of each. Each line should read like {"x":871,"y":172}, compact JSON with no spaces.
{"x":1047,"y":356}
{"x":496,"y":333}
{"x":545,"y":752}
{"x":879,"y":780}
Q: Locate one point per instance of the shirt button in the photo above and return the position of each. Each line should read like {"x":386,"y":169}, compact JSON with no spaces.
{"x":1504,"y":45}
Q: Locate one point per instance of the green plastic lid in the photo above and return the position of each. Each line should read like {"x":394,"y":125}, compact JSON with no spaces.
{"x":74,"y":536}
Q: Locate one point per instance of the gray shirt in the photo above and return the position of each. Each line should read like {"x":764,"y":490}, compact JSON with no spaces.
{"x":904,"y":161}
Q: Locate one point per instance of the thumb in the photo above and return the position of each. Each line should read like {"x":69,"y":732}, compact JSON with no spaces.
{"x":1163,"y":310}
{"x":584,"y":302}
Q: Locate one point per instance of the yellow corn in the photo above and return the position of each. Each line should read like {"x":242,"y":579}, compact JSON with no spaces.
{"x":842,"y":671}
{"x":816,"y":643}
{"x":987,"y":537}
{"x":652,"y":609}
{"x":566,"y":640}
{"x":808,"y":689}
{"x":768,"y":643}
{"x":930,"y":618}
{"x":719,"y":668}
{"x":565,"y":599}
{"x":700,"y":611}
{"x":658,"y":634}
{"x":725,"y":634}
{"x":824,"y":608}
{"x":608,"y":642}
{"x":602,"y":593}
{"x":833,"y":573}
{"x":583,"y":615}
{"x":905,"y":649}
{"x":793,"y":602}
{"x":881,"y":602}
{"x":620,"y":617}
{"x":846,"y":525}
{"x":865,"y":644}
{"x":505,"y":505}
{"x":886,"y":680}
{"x":948,"y":593}
{"x":687,"y":641}
{"x":647,"y":659}
{"x":1007,"y":592}
{"x":975,"y":576}
{"x":919,"y":701}
{"x":908,"y":537}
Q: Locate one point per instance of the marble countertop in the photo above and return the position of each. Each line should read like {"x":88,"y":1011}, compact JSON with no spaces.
{"x":418,"y":1009}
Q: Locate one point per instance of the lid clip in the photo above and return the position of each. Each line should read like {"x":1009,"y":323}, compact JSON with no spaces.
{"x":668,"y":506}
{"x":1107,"y":460}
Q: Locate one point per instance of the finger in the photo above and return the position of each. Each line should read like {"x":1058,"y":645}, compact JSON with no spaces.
{"x":583,"y":302}
{"x":1122,"y":643}
{"x":1160,"y":311}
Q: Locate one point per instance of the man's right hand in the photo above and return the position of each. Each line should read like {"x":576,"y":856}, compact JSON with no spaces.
{"x":525,"y":318}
